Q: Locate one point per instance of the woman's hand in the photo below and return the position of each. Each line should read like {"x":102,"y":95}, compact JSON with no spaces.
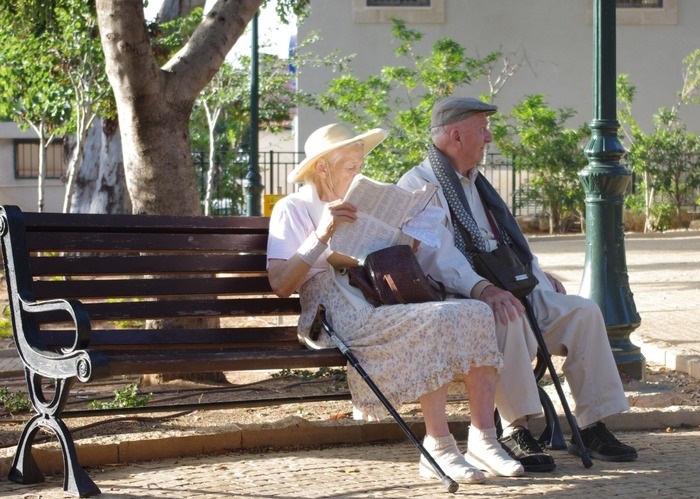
{"x":286,"y":276}
{"x":334,"y":213}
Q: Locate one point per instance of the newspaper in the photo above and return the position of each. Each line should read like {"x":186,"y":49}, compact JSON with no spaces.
{"x":382,"y":212}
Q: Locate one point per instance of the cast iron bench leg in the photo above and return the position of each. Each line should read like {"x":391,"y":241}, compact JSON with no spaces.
{"x":24,"y":468}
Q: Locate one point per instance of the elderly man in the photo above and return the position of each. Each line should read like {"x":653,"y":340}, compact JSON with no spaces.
{"x":477,"y":219}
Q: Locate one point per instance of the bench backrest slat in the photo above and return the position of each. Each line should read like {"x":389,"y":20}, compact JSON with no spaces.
{"x":83,"y":222}
{"x":138,"y":242}
{"x":78,"y":265}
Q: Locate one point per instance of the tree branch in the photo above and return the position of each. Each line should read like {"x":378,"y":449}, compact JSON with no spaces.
{"x":197,"y":62}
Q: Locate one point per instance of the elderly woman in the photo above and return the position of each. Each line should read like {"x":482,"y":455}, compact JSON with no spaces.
{"x":411,"y":351}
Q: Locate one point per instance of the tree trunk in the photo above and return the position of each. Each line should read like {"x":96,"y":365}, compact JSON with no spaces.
{"x":212,"y":118}
{"x":156,"y":379}
{"x":41,"y":177}
{"x":100,"y":186}
{"x":154,"y":104}
{"x":84,"y":122}
{"x":648,"y":203}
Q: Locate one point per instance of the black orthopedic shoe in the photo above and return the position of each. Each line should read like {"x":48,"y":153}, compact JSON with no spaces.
{"x":601,"y":444}
{"x":521,"y":445}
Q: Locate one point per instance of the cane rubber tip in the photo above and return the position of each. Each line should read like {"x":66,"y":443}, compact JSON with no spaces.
{"x":451,"y":485}
{"x":587,"y":462}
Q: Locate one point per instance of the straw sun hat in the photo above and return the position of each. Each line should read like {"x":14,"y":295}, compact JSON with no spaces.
{"x":329,"y":138}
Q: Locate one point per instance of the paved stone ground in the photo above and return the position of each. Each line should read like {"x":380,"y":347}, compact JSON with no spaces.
{"x":668,"y":468}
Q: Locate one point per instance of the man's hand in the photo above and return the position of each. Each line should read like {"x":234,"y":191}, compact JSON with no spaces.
{"x":505,"y":306}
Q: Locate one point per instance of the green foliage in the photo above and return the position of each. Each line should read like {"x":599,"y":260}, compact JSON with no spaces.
{"x":33,"y":89}
{"x":663,"y":214}
{"x":399,"y":98}
{"x":53,"y":72}
{"x":38,"y":15}
{"x":14,"y":401}
{"x":129,"y":396}
{"x":287,"y":8}
{"x":667,"y":160}
{"x":82,"y":63}
{"x":550,"y":153}
{"x":634,"y":202}
{"x":221,"y":117}
{"x":6,"y":323}
{"x":690,"y":93}
{"x":168,"y":38}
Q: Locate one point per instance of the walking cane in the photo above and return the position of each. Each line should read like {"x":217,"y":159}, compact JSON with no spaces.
{"x":585,"y":458}
{"x":321,"y":321}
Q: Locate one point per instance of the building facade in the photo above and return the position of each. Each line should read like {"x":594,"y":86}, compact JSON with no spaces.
{"x":553,"y":39}
{"x":19,"y":157}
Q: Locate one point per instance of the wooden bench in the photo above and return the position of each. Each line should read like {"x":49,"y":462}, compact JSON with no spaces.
{"x":72,"y":279}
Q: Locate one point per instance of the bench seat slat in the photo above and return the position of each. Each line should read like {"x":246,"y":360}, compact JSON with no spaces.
{"x":183,"y":309}
{"x":232,"y":337}
{"x":149,"y":362}
{"x":134,"y":287}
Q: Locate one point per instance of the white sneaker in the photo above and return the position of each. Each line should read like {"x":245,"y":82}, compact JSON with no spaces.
{"x":485,"y":452}
{"x":446,"y":454}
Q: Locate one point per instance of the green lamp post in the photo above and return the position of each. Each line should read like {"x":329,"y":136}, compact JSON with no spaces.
{"x":254,"y":185}
{"x":605,"y":181}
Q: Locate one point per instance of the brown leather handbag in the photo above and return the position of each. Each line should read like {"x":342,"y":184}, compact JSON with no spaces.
{"x":393,"y":275}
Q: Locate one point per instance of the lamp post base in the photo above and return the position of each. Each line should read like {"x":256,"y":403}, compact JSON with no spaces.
{"x":628,"y":356}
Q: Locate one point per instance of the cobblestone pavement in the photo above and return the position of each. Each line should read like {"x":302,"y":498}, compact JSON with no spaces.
{"x":668,"y":467}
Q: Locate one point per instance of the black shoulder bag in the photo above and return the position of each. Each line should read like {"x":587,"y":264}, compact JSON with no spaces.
{"x":501,"y":267}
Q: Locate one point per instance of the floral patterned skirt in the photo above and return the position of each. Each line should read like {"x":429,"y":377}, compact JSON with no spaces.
{"x":408,"y":350}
